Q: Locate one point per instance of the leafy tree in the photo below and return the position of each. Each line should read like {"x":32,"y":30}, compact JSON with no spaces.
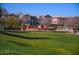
{"x":11,"y":22}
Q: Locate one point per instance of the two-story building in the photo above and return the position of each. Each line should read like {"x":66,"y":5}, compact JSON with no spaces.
{"x":65,"y":23}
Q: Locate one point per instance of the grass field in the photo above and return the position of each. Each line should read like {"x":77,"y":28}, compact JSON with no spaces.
{"x":38,"y":43}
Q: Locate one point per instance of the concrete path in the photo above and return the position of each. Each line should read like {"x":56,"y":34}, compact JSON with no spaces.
{"x":77,"y":33}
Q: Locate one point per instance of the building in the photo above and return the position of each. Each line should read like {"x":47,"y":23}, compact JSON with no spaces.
{"x":65,"y":23}
{"x":3,"y":13}
{"x":60,"y":23}
{"x":29,"y":22}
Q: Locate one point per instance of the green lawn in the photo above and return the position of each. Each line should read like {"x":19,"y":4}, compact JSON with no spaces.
{"x":39,"y":43}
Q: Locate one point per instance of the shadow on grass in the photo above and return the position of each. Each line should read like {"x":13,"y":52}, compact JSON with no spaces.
{"x":24,"y":37}
{"x":19,"y":31}
{"x":10,"y":54}
{"x":20,"y":44}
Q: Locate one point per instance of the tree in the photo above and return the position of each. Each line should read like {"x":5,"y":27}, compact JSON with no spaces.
{"x":1,"y":24}
{"x":0,"y":12}
{"x":3,"y":12}
{"x":11,"y":22}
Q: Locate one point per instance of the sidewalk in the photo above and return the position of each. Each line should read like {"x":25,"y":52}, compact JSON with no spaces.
{"x":77,"y":33}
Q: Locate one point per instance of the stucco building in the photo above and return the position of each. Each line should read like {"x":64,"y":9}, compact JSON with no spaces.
{"x":65,"y":23}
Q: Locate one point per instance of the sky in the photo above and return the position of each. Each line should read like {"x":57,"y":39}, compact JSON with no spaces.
{"x":54,"y":9}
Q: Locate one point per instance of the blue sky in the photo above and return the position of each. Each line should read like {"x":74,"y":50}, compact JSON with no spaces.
{"x":54,"y":9}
